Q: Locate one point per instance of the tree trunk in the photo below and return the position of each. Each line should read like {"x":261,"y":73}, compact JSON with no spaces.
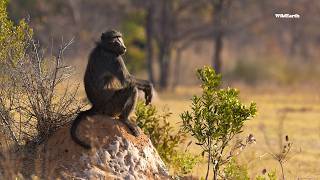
{"x":177,"y":69}
{"x":165,"y":44}
{"x":217,"y":34}
{"x":215,"y":171}
{"x":149,"y":35}
{"x":209,"y":160}
{"x":164,"y":55}
{"x":217,"y":61}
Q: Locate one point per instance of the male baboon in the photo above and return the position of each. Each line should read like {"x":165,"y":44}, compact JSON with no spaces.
{"x":109,"y":86}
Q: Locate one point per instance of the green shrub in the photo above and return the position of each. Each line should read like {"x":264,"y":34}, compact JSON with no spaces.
{"x":268,"y":176}
{"x":216,"y":116}
{"x":234,"y":171}
{"x":164,"y":138}
{"x":13,"y":38}
{"x":183,"y":163}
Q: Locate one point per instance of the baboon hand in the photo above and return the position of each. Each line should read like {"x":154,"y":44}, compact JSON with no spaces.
{"x":148,"y":93}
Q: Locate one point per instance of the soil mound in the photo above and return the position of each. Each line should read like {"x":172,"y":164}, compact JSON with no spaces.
{"x":116,"y":154}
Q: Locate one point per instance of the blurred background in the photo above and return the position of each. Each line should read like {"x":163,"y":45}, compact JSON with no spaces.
{"x":168,"y":39}
{"x":273,"y":61}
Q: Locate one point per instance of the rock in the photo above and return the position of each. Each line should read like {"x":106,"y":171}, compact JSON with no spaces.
{"x":116,"y":154}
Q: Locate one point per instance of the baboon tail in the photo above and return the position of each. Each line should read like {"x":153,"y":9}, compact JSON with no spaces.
{"x":74,"y":126}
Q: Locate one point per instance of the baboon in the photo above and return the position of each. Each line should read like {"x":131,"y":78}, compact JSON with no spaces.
{"x":110,"y":88}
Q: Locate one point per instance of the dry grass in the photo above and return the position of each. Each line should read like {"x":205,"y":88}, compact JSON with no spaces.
{"x":301,"y":122}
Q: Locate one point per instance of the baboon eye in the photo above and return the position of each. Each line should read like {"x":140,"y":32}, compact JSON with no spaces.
{"x":120,"y":40}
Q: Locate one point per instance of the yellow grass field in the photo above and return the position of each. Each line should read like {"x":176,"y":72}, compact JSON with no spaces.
{"x":298,"y":110}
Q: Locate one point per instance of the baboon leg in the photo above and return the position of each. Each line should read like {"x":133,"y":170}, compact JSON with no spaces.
{"x":128,"y":98}
{"x":133,"y":127}
{"x":130,"y":102}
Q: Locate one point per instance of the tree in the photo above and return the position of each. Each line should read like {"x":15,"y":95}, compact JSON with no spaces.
{"x":174,"y":22}
{"x":216,"y":117}
{"x":228,"y":17}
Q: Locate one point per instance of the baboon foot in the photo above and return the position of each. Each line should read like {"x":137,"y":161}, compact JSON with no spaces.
{"x":133,"y":128}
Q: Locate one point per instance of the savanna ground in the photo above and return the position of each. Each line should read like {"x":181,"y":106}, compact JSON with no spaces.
{"x":281,"y":111}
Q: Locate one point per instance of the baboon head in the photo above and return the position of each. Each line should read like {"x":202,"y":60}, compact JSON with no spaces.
{"x":112,"y":41}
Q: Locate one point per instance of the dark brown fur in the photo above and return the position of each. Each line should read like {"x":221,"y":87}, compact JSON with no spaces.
{"x":110,"y":88}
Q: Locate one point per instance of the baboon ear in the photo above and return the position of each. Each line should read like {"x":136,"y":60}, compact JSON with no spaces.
{"x":104,"y":36}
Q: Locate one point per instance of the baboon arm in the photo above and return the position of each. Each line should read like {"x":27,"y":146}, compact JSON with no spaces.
{"x":123,"y":75}
{"x":127,"y":79}
{"x":141,"y":84}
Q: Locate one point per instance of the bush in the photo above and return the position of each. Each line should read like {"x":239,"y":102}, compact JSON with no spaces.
{"x":13,"y":38}
{"x":34,"y":96}
{"x":234,"y":171}
{"x":183,"y":163}
{"x":217,"y":116}
{"x":162,"y":136}
{"x":267,"y":176}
